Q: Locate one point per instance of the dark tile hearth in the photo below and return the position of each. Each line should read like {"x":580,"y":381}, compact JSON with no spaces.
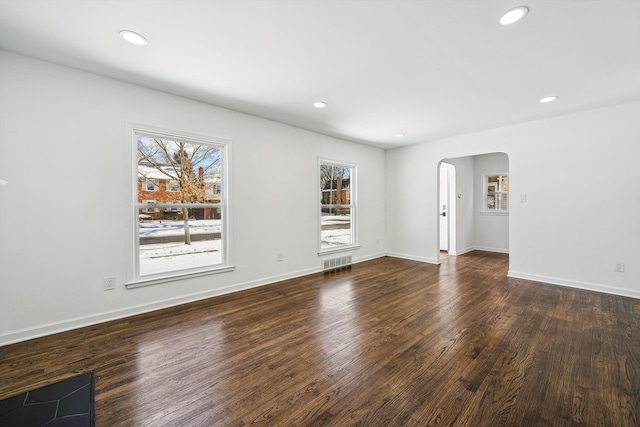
{"x":67,"y":403}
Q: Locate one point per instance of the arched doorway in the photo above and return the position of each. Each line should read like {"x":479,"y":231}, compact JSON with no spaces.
{"x":474,"y":190}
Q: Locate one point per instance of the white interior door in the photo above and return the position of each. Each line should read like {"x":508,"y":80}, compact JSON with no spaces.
{"x":444,"y":205}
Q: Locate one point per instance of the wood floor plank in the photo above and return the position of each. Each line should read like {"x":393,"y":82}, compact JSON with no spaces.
{"x":388,"y":342}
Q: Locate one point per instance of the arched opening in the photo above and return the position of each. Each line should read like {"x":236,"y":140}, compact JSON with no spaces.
{"x":475,"y":192}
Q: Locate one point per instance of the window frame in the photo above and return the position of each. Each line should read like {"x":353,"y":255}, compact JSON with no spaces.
{"x":154,"y":183}
{"x":150,"y":206}
{"x":169,"y":186}
{"x":486,"y":193}
{"x":353,"y":206}
{"x":133,"y":271}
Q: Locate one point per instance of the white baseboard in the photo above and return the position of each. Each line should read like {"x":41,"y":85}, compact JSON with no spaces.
{"x":413,"y":258}
{"x":437,"y":261}
{"x":489,"y":249}
{"x":479,"y":248}
{"x":575,"y":284}
{"x":462,"y":251}
{"x":369,"y":257}
{"x":80,"y":322}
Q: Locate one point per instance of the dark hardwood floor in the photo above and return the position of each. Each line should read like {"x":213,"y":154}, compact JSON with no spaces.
{"x":387,"y":342}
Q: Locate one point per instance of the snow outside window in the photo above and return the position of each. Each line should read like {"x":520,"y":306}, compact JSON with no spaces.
{"x":187,"y":231}
{"x":337,"y":206}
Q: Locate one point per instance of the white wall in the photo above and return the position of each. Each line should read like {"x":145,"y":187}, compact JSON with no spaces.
{"x":477,"y":229}
{"x":581,"y":174}
{"x":65,"y":217}
{"x":491,"y":229}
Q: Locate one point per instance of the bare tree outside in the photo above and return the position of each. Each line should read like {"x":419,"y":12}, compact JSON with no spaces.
{"x":329,"y":180}
{"x":195,"y":168}
{"x":336,"y":205}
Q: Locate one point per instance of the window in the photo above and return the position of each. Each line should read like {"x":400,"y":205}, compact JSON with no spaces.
{"x":151,"y":185}
{"x":337,"y":206}
{"x":496,"y":193}
{"x":173,"y":185}
{"x":150,"y":209}
{"x":187,"y":232}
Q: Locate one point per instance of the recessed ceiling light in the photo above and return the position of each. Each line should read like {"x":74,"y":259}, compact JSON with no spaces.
{"x":514,"y":15}
{"x":547,"y":99}
{"x":399,"y":135}
{"x":133,"y":38}
{"x":319,"y":104}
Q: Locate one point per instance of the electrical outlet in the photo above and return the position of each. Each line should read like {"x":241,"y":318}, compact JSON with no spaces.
{"x":109,"y":283}
{"x":280,"y":256}
{"x":618,"y":266}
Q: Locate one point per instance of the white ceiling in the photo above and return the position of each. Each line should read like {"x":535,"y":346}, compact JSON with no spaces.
{"x":429,"y":69}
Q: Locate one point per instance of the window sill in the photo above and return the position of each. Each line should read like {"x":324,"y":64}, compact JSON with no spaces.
{"x":176,"y":277}
{"x":496,"y":213}
{"x":336,"y":250}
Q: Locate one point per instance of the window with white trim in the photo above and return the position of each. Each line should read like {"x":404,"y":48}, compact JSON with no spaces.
{"x":173,"y":186}
{"x":337,"y":206}
{"x":496,"y":192}
{"x":151,"y":185}
{"x":187,"y":232}
{"x":150,"y":203}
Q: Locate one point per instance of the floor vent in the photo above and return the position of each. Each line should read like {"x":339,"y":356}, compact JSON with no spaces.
{"x":333,"y":263}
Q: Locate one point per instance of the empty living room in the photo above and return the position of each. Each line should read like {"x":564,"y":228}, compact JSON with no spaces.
{"x":319,"y":213}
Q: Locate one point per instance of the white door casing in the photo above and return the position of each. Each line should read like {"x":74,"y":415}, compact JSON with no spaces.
{"x":443,"y":206}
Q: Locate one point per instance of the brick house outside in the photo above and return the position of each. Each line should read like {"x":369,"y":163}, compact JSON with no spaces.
{"x":156,"y":187}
